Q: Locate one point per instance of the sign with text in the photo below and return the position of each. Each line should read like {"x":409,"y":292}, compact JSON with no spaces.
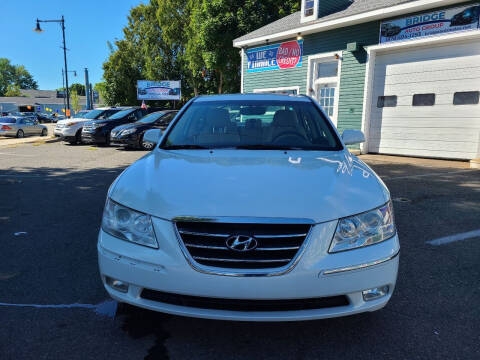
{"x":158,"y":90}
{"x":286,"y":55}
{"x":433,"y":23}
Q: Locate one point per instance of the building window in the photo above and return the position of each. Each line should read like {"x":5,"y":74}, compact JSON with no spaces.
{"x":387,"y":101}
{"x":466,"y":98}
{"x":309,"y":8}
{"x":423,"y":100}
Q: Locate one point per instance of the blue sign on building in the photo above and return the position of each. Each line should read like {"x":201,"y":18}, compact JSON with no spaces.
{"x":286,"y":55}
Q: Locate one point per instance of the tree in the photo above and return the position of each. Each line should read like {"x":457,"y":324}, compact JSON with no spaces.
{"x":13,"y":90}
{"x":217,"y":23}
{"x":187,"y":40}
{"x":15,"y":75}
{"x":79,"y":88}
{"x":101,"y":89}
{"x":75,"y":101}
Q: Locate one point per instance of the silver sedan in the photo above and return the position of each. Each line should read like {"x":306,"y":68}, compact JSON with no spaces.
{"x":20,"y":127}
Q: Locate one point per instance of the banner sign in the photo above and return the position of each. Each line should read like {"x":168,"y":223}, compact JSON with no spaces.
{"x":433,"y":23}
{"x":158,"y":90}
{"x":286,"y":55}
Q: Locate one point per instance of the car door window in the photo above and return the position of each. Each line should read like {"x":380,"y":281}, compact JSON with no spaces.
{"x":165,"y":120}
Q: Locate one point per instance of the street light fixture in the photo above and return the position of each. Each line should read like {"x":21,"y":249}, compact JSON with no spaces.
{"x":38,"y":29}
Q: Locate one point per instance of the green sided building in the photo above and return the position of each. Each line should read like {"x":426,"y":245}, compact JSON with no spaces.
{"x":406,"y":72}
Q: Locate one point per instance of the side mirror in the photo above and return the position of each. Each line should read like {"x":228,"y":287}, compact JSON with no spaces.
{"x":351,"y":137}
{"x":151,"y":138}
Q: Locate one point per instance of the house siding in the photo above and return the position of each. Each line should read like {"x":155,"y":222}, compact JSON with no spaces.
{"x":352,"y":74}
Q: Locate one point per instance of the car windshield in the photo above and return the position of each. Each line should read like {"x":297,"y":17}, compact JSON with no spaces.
{"x":5,"y":120}
{"x":253,"y":125}
{"x":80,"y":114}
{"x":121,"y":114}
{"x":94,"y":114}
{"x":151,"y":118}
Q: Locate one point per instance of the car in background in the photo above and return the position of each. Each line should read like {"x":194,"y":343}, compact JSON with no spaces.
{"x":389,"y":30}
{"x":98,"y":131}
{"x":466,"y":17}
{"x":250,"y":208}
{"x":19,"y":126}
{"x":71,"y":129}
{"x":131,"y":135}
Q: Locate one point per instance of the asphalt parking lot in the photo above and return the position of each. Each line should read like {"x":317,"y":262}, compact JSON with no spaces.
{"x":53,"y":305}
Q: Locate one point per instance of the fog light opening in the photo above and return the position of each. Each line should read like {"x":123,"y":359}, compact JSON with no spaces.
{"x":117,"y":284}
{"x":375,"y":293}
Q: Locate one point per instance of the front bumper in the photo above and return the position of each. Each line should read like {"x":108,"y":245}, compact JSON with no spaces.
{"x":128,"y":140}
{"x":97,"y":137}
{"x":167,"y":270}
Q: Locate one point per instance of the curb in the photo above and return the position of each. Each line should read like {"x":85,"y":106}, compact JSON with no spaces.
{"x":46,"y":140}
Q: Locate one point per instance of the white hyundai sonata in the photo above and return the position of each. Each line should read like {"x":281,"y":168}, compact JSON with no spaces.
{"x":250,"y":208}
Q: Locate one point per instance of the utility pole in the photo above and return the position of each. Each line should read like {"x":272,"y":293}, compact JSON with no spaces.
{"x":87,"y":91}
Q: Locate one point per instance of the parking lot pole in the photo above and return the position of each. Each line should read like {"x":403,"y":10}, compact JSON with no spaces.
{"x":38,"y":29}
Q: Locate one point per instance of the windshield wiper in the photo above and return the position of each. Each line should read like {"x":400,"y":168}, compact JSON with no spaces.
{"x":187,"y":147}
{"x":266,"y":147}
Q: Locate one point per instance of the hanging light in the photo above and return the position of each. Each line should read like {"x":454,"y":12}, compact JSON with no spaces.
{"x":38,"y":29}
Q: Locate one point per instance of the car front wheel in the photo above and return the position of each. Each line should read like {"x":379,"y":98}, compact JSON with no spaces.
{"x":44,"y":132}
{"x":20,"y":134}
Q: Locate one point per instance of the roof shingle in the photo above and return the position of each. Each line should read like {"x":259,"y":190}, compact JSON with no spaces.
{"x":293,"y":21}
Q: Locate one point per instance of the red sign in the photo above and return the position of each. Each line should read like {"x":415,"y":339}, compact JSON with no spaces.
{"x":288,"y":55}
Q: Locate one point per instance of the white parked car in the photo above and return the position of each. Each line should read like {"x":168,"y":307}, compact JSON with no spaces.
{"x":250,"y":208}
{"x":71,"y":129}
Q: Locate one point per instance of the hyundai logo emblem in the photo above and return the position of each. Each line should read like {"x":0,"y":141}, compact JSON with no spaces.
{"x":241,"y":243}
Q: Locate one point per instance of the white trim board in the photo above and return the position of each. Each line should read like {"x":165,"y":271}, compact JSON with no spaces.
{"x":262,"y":90}
{"x":378,"y":14}
{"x":372,"y":52}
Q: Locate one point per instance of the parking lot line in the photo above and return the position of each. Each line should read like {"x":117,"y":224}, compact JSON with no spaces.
{"x":108,"y":308}
{"x":456,"y":237}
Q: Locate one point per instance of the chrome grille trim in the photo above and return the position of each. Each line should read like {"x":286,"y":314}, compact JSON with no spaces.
{"x":202,"y":234}
{"x":241,"y":261}
{"x":289,"y":264}
{"x":257,"y":249}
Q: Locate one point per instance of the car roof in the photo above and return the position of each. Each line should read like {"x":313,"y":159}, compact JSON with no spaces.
{"x":247,"y":97}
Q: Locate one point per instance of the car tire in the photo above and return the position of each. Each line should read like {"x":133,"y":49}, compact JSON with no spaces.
{"x":20,"y":134}
{"x":78,"y":138}
{"x":44,"y":132}
{"x":146,"y":146}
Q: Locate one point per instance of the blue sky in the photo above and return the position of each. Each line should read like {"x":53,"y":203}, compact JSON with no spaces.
{"x":89,"y":25}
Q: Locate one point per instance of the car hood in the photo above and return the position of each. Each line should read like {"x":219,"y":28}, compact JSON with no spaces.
{"x":131,"y":126}
{"x":320,"y":186}
{"x":63,"y":122}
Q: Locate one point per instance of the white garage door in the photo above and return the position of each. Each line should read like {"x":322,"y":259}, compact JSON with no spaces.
{"x":426,"y":102}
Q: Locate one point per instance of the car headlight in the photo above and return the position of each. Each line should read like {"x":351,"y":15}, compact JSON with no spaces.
{"x":128,"y":224}
{"x":129,"y":131}
{"x":96,"y":126}
{"x":365,"y":229}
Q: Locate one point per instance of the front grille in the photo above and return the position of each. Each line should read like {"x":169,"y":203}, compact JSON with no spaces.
{"x":277,"y":244}
{"x":245,"y":305}
{"x":88,"y":128}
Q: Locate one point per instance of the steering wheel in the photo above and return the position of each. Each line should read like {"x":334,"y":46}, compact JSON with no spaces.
{"x":289,"y":134}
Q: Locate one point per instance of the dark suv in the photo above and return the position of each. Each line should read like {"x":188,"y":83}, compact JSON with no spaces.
{"x":98,"y":132}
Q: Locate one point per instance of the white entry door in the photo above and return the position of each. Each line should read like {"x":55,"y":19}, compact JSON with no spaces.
{"x":426,"y":102}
